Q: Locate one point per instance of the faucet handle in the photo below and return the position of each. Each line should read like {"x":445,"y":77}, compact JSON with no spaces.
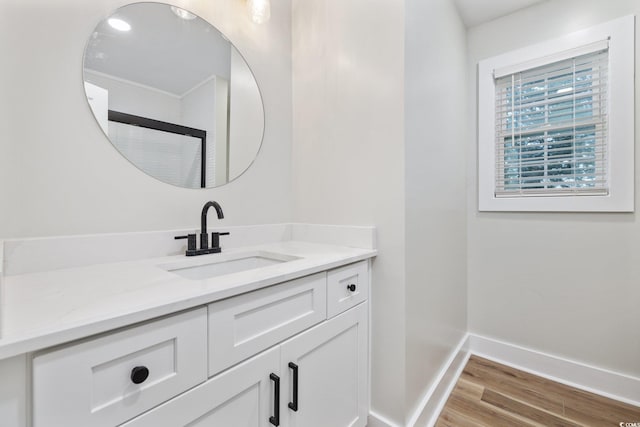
{"x":191,"y":241}
{"x":215,"y":240}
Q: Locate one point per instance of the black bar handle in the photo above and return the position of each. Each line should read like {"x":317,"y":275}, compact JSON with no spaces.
{"x":294,"y":405}
{"x":275,"y":419}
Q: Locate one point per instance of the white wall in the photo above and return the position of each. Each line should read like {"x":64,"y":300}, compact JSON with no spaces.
{"x":375,"y":130}
{"x":560,"y":283}
{"x":348,"y":155}
{"x":58,"y":173}
{"x":435,"y":150}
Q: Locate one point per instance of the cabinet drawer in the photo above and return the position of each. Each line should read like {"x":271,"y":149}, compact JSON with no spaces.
{"x":340,"y":281}
{"x":92,"y":383}
{"x":242,"y":326}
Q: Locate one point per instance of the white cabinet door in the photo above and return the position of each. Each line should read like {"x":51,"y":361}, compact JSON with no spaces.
{"x":243,"y":396}
{"x":332,"y":365}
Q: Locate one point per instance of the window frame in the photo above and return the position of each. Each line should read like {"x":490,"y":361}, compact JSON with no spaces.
{"x":620,"y":108}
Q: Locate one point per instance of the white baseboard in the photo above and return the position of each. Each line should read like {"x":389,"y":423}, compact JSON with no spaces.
{"x":377,"y":420}
{"x":436,"y":396}
{"x":606,"y":383}
{"x":575,"y":374}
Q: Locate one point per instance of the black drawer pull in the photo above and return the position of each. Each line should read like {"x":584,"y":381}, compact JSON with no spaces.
{"x":351,"y":287}
{"x":294,"y":405}
{"x":139,"y":374}
{"x":275,"y":419}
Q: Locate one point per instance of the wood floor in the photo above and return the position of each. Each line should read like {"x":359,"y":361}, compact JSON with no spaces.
{"x":494,"y":395}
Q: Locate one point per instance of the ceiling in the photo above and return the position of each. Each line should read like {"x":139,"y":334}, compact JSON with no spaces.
{"x":161,"y":50}
{"x":475,"y":12}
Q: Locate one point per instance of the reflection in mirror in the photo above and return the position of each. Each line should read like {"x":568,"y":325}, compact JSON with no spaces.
{"x":173,"y":95}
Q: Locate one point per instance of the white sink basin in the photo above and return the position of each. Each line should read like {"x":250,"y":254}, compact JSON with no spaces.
{"x":222,"y":264}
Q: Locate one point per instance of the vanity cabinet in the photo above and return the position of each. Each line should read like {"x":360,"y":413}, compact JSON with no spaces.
{"x":330,"y":388}
{"x":293,"y":354}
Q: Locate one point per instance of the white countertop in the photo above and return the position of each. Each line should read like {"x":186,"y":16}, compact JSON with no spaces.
{"x":44,"y":309}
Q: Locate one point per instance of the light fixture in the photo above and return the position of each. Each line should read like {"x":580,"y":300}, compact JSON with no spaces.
{"x":119,"y":24}
{"x":184,"y":14}
{"x":564,"y":90}
{"x":260,"y":10}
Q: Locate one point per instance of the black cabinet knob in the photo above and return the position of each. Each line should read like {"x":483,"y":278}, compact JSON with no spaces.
{"x":351,"y":287}
{"x":139,"y":374}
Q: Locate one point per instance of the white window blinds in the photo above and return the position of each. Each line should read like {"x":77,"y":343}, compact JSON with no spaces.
{"x":551,"y":128}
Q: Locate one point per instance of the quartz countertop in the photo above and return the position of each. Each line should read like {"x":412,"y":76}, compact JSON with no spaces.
{"x":45,"y":309}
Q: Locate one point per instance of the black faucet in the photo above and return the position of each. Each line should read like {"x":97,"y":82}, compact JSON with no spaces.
{"x":204,"y":237}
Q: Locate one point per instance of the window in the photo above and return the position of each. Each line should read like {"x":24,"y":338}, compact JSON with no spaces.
{"x":551,"y":126}
{"x":556,"y":124}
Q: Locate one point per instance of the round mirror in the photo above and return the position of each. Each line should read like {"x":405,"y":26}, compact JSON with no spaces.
{"x":173,"y":95}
